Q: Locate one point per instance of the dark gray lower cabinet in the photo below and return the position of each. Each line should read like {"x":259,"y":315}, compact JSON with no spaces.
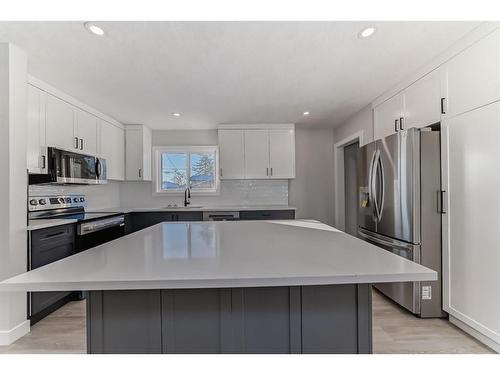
{"x":297,"y":319}
{"x":141,"y":220}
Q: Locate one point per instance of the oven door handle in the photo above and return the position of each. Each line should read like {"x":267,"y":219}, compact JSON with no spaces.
{"x":97,"y":225}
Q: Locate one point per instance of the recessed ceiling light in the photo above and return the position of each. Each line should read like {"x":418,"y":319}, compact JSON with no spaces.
{"x":306,"y":113}
{"x":94,"y":29}
{"x":176,"y":114}
{"x":367,"y":32}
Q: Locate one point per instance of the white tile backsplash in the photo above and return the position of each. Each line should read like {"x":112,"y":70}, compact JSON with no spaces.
{"x":139,"y":194}
{"x":98,"y":196}
{"x":232,"y":192}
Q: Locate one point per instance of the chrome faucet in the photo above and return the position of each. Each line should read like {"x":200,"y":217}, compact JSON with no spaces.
{"x":187,"y":196}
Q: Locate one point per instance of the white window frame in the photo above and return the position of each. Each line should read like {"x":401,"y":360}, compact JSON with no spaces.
{"x":157,"y":173}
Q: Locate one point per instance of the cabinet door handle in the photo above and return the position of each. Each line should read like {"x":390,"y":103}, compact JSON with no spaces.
{"x":401,"y":123}
{"x":443,"y":106}
{"x":76,"y":143}
{"x":140,"y":172}
{"x":43,"y":161}
{"x":221,"y":172}
{"x":396,"y":126}
{"x":81,"y":143}
{"x":267,"y":171}
{"x":271,"y":171}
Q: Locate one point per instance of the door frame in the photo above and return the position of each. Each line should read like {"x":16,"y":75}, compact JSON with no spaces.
{"x":338,"y":151}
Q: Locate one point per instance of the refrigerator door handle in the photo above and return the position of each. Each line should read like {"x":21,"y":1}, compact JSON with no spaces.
{"x":395,"y":244}
{"x":371,"y":195}
{"x":382,"y":187}
{"x":373,"y":185}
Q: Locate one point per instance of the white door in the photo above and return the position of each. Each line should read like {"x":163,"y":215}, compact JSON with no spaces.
{"x":232,"y":154}
{"x":387,"y":117}
{"x":256,"y":153}
{"x":60,"y":124}
{"x":471,"y":253}
{"x":36,"y":148}
{"x":423,"y":102}
{"x":134,"y":165}
{"x":472,"y":77}
{"x":112,"y":140}
{"x":282,"y":153}
{"x":86,"y":132}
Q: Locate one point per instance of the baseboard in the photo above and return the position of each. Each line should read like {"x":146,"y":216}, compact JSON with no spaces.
{"x":8,"y":337}
{"x":476,"y":334}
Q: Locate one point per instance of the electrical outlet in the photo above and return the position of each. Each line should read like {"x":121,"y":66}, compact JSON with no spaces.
{"x":427,"y":292}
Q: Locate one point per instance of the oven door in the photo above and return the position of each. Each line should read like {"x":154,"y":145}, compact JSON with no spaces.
{"x":72,"y":168}
{"x":407,"y":294}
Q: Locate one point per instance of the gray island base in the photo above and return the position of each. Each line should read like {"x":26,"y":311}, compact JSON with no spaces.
{"x":295,"y":319}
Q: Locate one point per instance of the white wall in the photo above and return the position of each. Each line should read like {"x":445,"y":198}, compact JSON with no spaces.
{"x":362,"y":121}
{"x":13,"y":186}
{"x":312,"y":189}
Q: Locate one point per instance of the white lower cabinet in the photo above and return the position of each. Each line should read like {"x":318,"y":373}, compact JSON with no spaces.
{"x":471,"y":250}
{"x":138,"y":153}
{"x":112,"y":148}
{"x":36,"y":144}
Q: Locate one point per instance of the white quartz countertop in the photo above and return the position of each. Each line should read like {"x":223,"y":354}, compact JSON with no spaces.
{"x":223,"y":254}
{"x":196,"y":208}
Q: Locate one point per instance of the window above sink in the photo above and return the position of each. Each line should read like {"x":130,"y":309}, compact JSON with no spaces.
{"x":177,"y":168}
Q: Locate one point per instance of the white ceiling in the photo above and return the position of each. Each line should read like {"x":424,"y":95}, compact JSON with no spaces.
{"x":229,"y":72}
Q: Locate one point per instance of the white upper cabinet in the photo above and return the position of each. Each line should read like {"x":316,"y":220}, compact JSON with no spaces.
{"x":281,"y":147}
{"x":112,"y":148}
{"x":138,"y":153}
{"x":472,"y":78}
{"x":37,"y":150}
{"x":86,"y":132}
{"x":60,"y":124}
{"x":387,"y":117}
{"x":422,"y":101}
{"x":231,"y":154}
{"x":256,"y":153}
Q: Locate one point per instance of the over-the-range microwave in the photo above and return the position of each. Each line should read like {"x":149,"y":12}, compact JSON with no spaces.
{"x":66,"y":167}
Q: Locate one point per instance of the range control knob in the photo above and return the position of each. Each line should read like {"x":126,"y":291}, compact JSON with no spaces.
{"x":33,"y":202}
{"x":61,"y":200}
{"x":75,"y":199}
{"x":82,"y":199}
{"x":42,"y":201}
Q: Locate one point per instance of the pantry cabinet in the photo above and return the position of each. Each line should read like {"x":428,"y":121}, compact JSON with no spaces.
{"x":138,"y":153}
{"x":257,"y":152}
{"x":231,"y":154}
{"x":112,"y":148}
{"x":36,"y":145}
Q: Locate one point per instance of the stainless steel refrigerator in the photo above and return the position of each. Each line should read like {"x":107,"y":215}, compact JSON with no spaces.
{"x":399,"y":209}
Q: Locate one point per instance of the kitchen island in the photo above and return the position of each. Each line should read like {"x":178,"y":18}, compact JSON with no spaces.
{"x":227,"y":287}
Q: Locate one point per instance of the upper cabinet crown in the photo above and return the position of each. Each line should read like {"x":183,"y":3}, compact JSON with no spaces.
{"x":257,"y":152}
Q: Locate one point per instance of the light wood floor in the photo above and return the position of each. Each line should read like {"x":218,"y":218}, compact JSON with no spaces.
{"x":394,"y":331}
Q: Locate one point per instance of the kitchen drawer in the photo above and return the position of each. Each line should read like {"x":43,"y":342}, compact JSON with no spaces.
{"x":267,"y":215}
{"x":51,"y":244}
